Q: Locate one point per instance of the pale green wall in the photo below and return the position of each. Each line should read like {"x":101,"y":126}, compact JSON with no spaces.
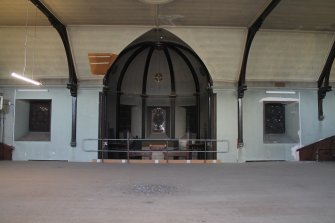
{"x":8,"y":111}
{"x":59,"y":146}
{"x":253,"y":113}
{"x":87,"y":124}
{"x":87,"y":127}
{"x":227,"y":123}
{"x":254,"y":148}
{"x":312,"y":128}
{"x":22,"y":108}
{"x":292,"y":121}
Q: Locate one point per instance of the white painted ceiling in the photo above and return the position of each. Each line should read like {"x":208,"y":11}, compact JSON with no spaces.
{"x":289,"y":14}
{"x":226,"y":22}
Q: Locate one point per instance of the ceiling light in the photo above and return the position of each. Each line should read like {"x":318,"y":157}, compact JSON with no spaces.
{"x":282,"y":100}
{"x":156,"y":2}
{"x":32,"y":90}
{"x":25,"y":79}
{"x":280,"y":92}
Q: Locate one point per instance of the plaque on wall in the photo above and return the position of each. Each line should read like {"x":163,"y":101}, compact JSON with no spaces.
{"x":158,"y":121}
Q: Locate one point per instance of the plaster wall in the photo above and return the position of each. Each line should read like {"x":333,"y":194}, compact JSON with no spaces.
{"x":292,"y":121}
{"x":58,"y":148}
{"x":87,"y":126}
{"x":8,"y":115}
{"x":274,"y":55}
{"x":312,"y":128}
{"x":227,"y":124}
{"x":253,"y":116}
{"x":22,"y":120}
{"x":254,"y":148}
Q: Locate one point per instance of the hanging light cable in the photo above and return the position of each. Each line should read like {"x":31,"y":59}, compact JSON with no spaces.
{"x":156,"y":16}
{"x":34,"y":46}
{"x":23,"y":77}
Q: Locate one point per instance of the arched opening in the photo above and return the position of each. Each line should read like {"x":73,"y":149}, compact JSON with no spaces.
{"x":157,"y":88}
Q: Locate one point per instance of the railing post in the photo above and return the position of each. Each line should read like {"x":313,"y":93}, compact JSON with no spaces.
{"x":128,"y":149}
{"x":167,"y":152}
{"x":205,"y":150}
{"x":105,"y":144}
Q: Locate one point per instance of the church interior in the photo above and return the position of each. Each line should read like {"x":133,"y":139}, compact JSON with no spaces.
{"x":163,"y":80}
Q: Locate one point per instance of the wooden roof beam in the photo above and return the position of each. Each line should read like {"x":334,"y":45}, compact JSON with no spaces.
{"x":242,"y":87}
{"x":323,"y":81}
{"x":72,"y":84}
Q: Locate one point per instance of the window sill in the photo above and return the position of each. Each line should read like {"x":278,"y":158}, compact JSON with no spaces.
{"x":35,"y":136}
{"x":278,"y":138}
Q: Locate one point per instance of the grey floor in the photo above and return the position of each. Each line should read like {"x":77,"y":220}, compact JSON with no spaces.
{"x":268,"y":192}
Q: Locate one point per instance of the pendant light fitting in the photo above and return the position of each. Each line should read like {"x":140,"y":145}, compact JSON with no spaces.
{"x":23,"y":77}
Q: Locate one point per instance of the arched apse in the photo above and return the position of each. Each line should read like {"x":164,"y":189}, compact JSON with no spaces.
{"x":157,"y":88}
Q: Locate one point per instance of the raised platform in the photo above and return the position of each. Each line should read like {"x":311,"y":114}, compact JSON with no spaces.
{"x":156,"y":161}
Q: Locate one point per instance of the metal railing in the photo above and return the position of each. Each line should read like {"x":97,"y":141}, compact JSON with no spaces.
{"x":169,"y":147}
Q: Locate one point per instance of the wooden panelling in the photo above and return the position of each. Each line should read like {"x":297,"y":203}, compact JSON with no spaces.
{"x":100,"y":62}
{"x":6,"y":152}
{"x":323,"y":150}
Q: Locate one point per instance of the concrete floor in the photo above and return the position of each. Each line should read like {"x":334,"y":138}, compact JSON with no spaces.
{"x":290,"y":192}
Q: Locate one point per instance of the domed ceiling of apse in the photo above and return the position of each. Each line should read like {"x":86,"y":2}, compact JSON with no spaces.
{"x":158,"y":63}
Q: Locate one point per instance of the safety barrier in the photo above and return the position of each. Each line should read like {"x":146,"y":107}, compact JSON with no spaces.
{"x":188,"y":149}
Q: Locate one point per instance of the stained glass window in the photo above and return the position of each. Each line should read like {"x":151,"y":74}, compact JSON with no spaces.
{"x":39,"y":116}
{"x":274,"y":118}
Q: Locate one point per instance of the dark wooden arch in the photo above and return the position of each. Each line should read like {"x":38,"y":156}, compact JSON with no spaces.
{"x":323,"y":81}
{"x":242,"y":87}
{"x":146,"y":70}
{"x":73,"y":81}
{"x":171,"y":71}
